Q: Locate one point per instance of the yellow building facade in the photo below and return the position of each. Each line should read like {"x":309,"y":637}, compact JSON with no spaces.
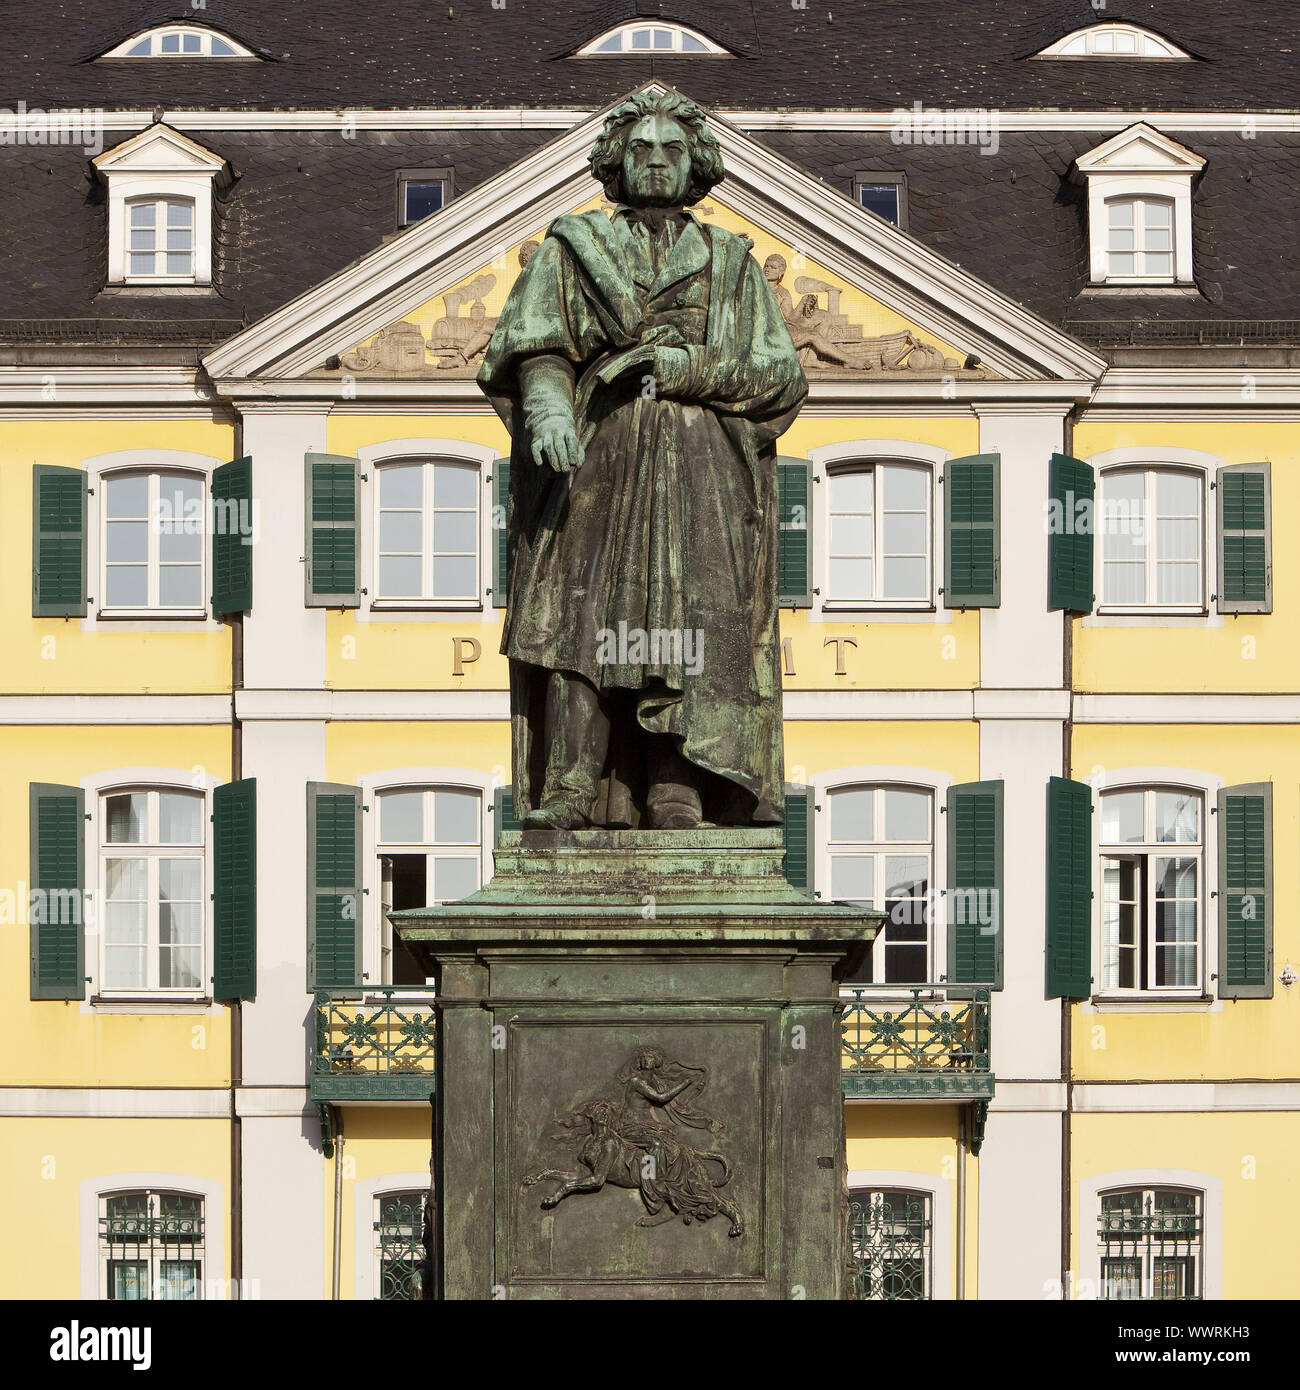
{"x":1089,"y":734}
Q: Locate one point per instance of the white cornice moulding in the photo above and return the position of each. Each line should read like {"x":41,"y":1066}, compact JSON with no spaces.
{"x":142,"y":709}
{"x":561,"y":118}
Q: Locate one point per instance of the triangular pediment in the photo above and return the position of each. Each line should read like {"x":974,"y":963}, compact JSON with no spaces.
{"x":1141,"y":149}
{"x":160,"y":149}
{"x":864,"y":299}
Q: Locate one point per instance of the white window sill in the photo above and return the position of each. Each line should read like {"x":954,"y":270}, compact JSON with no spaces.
{"x":128,"y":1003}
{"x":1152,"y":1002}
{"x":180,"y":282}
{"x":165,"y":614}
{"x":1109,"y":612}
{"x":1127,"y":288}
{"x":866,"y":606}
{"x":426,"y":605}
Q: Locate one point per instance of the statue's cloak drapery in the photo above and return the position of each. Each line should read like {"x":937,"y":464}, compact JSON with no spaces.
{"x":671,"y":524}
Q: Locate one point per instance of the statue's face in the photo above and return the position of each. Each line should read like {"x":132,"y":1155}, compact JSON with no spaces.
{"x":657,"y":163}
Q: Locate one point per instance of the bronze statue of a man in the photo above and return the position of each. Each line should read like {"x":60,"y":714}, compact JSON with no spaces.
{"x":644,"y":371}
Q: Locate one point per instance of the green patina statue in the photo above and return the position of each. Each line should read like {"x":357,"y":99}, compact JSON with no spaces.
{"x":644,"y":371}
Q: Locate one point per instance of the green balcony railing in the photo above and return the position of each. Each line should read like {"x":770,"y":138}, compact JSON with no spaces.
{"x":917,"y":1042}
{"x":908,"y":1042}
{"x":377,"y":1048}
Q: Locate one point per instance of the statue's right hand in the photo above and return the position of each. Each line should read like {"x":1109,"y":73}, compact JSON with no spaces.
{"x":556,"y":446}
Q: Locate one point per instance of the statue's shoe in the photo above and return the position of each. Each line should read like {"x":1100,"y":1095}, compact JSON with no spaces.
{"x":556,"y":815}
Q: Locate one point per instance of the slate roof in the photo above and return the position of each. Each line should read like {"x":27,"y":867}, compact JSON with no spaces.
{"x":857,"y":53}
{"x":304,"y":204}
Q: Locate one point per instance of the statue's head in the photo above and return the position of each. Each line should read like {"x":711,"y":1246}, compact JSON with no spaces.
{"x":649,"y":1059}
{"x":656,"y":151}
{"x":774,"y":267}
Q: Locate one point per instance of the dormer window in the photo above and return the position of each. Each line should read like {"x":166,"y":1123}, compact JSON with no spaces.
{"x":180,"y":41}
{"x":160,"y":209}
{"x":1139,"y":208}
{"x":651,"y":38}
{"x":1114,"y":41}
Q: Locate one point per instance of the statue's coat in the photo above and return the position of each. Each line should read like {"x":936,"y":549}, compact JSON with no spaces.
{"x":671,"y":524}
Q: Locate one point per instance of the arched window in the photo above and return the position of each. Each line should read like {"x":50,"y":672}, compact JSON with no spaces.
{"x":651,"y":38}
{"x":427,"y":531}
{"x":152,"y":846}
{"x":160,"y":239}
{"x":1140,"y":238}
{"x":430,"y":848}
{"x":880,"y":843}
{"x":1114,"y":41}
{"x":153,"y":544}
{"x":1150,"y":1243}
{"x":1152,"y":847}
{"x":179,"y":41}
{"x":401,"y":1250}
{"x":151,"y":1245}
{"x":891,"y":1231}
{"x":1152,"y":534}
{"x":879,"y":549}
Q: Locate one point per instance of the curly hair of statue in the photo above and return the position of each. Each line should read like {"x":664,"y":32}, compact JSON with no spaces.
{"x":607,"y":153}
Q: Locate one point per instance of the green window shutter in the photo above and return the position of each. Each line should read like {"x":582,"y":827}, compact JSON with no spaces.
{"x":500,"y":532}
{"x":57,"y":877}
{"x":1245,"y":538}
{"x":797,"y":833}
{"x":58,"y":542}
{"x":974,"y":903}
{"x":1246,"y":891}
{"x":1069,"y":537}
{"x":794,"y":545}
{"x":972,"y":559}
{"x":1069,"y":889}
{"x":333,"y":886}
{"x":503,"y":813}
{"x":234,"y":895}
{"x":232,"y":559}
{"x":332,"y":531}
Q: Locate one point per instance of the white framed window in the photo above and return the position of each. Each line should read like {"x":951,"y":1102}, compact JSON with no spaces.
{"x":651,"y":38}
{"x":1114,"y":41}
{"x":1153,"y":537}
{"x":180,"y":41}
{"x":421,"y":192}
{"x":1139,"y":209}
{"x":879,"y":537}
{"x":400,"y":1250}
{"x":1140,"y":239}
{"x":161,"y":239}
{"x":427,"y":532}
{"x":1151,"y":1243}
{"x":153,"y":546}
{"x":891,"y":1232}
{"x":880,"y":851}
{"x":151,"y":1245}
{"x":160,"y":186}
{"x":429,"y":844}
{"x":1152,"y":900}
{"x":152,"y":887}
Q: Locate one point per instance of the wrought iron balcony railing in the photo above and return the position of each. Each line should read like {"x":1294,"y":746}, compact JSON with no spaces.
{"x":909,"y":1042}
{"x":917,"y":1041}
{"x":380,"y":1047}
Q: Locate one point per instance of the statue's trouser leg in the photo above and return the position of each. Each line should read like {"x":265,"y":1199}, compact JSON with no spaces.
{"x":673,"y":799}
{"x":577,"y":739}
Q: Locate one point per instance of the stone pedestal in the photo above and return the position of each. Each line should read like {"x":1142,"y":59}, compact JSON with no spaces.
{"x":644,"y":1025}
